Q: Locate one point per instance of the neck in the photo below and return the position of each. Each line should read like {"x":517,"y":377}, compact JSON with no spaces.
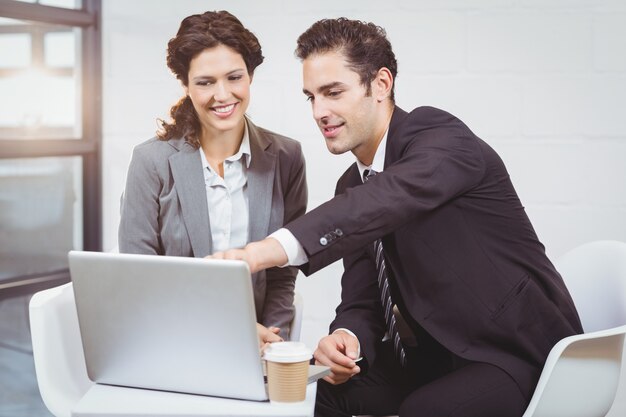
{"x":366,"y":152}
{"x":219,"y":145}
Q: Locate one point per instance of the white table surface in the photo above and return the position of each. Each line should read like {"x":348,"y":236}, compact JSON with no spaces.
{"x":110,"y":401}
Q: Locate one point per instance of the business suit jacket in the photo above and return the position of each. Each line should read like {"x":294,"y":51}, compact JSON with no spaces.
{"x":467,"y":266}
{"x":165,"y":212}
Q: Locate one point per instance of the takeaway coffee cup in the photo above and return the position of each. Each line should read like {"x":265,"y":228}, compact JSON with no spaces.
{"x":287,"y":371}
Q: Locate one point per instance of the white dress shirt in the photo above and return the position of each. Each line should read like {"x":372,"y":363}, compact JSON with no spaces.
{"x":294,"y":250}
{"x":228,"y":198}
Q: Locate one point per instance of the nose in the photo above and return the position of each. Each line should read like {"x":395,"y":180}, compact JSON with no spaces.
{"x":320,"y":110}
{"x":222,"y":92}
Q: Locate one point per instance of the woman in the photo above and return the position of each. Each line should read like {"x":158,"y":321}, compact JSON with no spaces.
{"x":212,"y":179}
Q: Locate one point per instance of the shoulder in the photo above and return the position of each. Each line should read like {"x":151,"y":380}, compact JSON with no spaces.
{"x":155,"y":153}
{"x":427,"y":118}
{"x":159,"y":150}
{"x":156,"y":147}
{"x":431,"y":113}
{"x":433,"y":134}
{"x":430,"y":124}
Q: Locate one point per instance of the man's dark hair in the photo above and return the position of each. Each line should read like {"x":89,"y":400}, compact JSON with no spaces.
{"x":364,"y":45}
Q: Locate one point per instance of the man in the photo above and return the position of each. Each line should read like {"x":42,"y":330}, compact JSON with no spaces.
{"x":457,"y":254}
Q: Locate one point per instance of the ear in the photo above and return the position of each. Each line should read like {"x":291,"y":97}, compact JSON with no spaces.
{"x":382,"y":84}
{"x":185,"y":89}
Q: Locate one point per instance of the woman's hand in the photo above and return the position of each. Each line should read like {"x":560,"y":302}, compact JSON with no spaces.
{"x":267,"y":335}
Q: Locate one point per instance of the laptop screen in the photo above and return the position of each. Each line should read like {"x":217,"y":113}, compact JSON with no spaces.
{"x":168,"y":323}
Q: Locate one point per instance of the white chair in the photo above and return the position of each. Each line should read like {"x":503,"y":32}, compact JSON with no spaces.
{"x":296,"y":323}
{"x":58,"y":350}
{"x":582,"y":372}
{"x":595,"y":274}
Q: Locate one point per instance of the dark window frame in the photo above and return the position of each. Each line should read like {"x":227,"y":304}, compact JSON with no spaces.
{"x":88,"y":146}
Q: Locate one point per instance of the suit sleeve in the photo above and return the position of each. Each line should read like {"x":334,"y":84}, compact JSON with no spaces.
{"x":139,"y":230}
{"x":433,"y":168}
{"x":360,"y":310}
{"x":278,"y":309}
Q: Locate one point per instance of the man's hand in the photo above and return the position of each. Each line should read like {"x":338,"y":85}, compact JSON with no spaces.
{"x":339,"y":352}
{"x":267,"y":335}
{"x":259,"y":255}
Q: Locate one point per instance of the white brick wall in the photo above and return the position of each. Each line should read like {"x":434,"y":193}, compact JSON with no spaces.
{"x":543,"y":81}
{"x":609,"y":41}
{"x":533,"y":41}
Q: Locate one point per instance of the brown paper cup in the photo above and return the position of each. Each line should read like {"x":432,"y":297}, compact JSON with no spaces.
{"x":287,"y":371}
{"x":286,"y":382}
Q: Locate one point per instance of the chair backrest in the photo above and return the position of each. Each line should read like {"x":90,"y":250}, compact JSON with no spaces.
{"x":582,"y":372}
{"x":296,"y":323}
{"x":580,"y":376}
{"x":58,"y":350}
{"x":595,"y":274}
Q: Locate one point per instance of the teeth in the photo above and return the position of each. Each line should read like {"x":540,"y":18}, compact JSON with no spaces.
{"x":224,"y":109}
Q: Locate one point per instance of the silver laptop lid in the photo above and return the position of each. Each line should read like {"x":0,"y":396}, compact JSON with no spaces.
{"x":168,"y":323}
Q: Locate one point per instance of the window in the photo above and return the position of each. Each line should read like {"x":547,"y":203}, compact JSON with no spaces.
{"x":50,"y":59}
{"x":50,"y":134}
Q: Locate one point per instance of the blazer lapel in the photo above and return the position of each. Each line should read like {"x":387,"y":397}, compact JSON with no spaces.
{"x":261,"y":174}
{"x":189,"y":179}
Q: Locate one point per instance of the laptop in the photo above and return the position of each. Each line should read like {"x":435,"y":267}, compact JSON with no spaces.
{"x":169,"y":323}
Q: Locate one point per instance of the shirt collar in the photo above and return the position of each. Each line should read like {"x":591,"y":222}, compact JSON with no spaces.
{"x":378,"y":164}
{"x":243,"y":152}
{"x":244,"y":148}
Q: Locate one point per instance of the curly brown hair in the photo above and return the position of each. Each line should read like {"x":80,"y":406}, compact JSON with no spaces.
{"x":364,"y":45}
{"x":197,"y":33}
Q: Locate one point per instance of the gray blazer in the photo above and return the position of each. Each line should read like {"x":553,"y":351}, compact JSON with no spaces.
{"x":164,"y":208}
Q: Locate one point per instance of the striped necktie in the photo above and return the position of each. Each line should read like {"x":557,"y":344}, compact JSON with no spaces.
{"x":385,"y":294}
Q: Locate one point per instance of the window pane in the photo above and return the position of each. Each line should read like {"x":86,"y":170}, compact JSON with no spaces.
{"x":59,"y":49}
{"x":52,"y":104}
{"x":15,"y":50}
{"x":8,"y":21}
{"x":40,"y":214}
{"x":40,"y":99}
{"x":68,"y":4}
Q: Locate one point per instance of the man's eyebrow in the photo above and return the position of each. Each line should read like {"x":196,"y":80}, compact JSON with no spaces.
{"x":235,"y":71}
{"x":324,"y":87}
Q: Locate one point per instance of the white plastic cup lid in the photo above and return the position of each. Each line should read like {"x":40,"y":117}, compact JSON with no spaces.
{"x":287,"y":352}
